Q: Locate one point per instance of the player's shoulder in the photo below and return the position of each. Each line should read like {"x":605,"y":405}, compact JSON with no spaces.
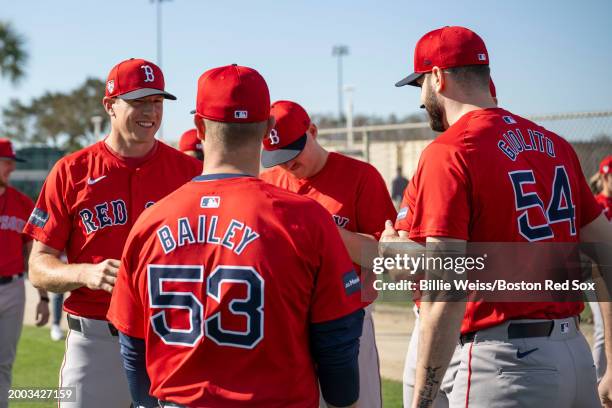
{"x":19,"y":196}
{"x":351,"y":164}
{"x":300,"y":206}
{"x":76,"y":164}
{"x":273,"y":174}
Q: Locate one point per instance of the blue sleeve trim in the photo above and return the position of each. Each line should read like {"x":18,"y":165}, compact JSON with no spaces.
{"x":133,"y":353}
{"x":335,"y":349}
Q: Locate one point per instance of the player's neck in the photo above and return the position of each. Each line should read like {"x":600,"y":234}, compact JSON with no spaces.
{"x":2,"y":190}
{"x":217,"y":165}
{"x":125,"y":147}
{"x":319,"y":162}
{"x":455,"y":109}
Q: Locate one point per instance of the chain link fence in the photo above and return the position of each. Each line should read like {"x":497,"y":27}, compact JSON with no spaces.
{"x":388,"y":147}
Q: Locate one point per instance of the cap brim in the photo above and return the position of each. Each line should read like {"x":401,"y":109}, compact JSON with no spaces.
{"x":14,"y":158}
{"x":143,"y":92}
{"x":410,"y":80}
{"x":271,"y":158}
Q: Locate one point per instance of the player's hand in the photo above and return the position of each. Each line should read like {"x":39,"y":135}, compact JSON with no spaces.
{"x":42,"y":313}
{"x":389,"y":236}
{"x":101,"y":276}
{"x":605,"y":390}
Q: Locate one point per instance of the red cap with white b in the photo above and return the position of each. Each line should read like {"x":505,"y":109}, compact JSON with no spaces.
{"x":136,"y":78}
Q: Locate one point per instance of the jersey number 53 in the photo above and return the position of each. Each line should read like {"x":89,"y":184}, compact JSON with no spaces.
{"x":251,"y":307}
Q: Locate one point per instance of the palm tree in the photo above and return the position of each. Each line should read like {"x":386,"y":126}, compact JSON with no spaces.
{"x":12,"y":53}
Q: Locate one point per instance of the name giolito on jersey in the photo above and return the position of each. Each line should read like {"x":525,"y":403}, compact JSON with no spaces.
{"x":236,"y":237}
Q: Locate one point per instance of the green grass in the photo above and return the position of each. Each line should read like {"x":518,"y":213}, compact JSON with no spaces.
{"x":37,"y":364}
{"x":39,"y":359}
{"x":392,"y":393}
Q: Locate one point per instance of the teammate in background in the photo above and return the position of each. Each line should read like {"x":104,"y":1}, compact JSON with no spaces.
{"x":398,"y":185}
{"x":604,"y":198}
{"x":86,"y":208}
{"x":482,"y":175}
{"x":270,"y":289}
{"x":57,"y":302}
{"x":352,"y":191}
{"x":191,"y":145}
{"x":15,"y":209}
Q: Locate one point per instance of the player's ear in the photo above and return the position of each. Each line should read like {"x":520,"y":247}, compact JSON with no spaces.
{"x":108,"y":105}
{"x":438,"y":79}
{"x":313,"y":130}
{"x":200,"y":126}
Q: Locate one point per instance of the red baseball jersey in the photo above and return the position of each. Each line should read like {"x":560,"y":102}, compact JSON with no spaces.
{"x":496,"y":177}
{"x":15,"y":209}
{"x":222,"y":279}
{"x":352,"y":191}
{"x":91,"y":199}
{"x":606,"y":203}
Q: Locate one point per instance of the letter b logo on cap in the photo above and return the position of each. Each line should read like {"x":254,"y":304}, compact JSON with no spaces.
{"x":274,"y":139}
{"x":148,"y":71}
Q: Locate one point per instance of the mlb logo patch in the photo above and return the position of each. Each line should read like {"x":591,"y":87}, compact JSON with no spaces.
{"x":110,"y":85}
{"x":509,"y":120}
{"x":210,"y":202}
{"x":482,"y":57}
{"x":564,"y":327}
{"x":241,"y":114}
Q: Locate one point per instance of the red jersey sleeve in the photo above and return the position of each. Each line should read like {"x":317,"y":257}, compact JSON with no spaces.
{"x":442,"y":185}
{"x":51,"y":221}
{"x":403,"y":220}
{"x":337,"y":290}
{"x":126,"y":309}
{"x":374,"y":204}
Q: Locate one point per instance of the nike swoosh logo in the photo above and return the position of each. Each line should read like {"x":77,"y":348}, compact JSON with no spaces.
{"x":91,"y":181}
{"x":526,"y":353}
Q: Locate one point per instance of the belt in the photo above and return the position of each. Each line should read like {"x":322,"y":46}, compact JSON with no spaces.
{"x":518,"y":331}
{"x":75,"y":324}
{"x":165,"y":404}
{"x":8,"y":279}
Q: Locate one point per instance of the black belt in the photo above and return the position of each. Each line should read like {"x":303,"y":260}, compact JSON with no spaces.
{"x":519,"y":331}
{"x":75,"y":324}
{"x":8,"y":279}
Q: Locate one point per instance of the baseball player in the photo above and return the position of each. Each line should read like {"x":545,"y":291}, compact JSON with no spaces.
{"x":472,"y":184}
{"x":191,"y":145}
{"x":86,"y":208}
{"x":604,"y":198}
{"x":15,"y":208}
{"x":410,"y":361}
{"x":232,"y":288}
{"x":352,"y":191}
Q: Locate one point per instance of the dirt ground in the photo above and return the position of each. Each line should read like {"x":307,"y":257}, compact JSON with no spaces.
{"x":393,"y":325}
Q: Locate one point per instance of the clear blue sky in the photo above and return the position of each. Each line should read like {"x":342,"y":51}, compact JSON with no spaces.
{"x":547,"y":56}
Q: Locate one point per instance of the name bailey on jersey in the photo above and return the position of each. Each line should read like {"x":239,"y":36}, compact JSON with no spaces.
{"x":206,"y":232}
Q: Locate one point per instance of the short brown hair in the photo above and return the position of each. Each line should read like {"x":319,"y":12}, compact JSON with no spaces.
{"x":471,"y":76}
{"x":235,"y":135}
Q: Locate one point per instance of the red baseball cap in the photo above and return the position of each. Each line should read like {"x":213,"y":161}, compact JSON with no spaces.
{"x":136,"y":78}
{"x":606,"y":165}
{"x":446,"y":47}
{"x":233,"y":94}
{"x":7,"y":152}
{"x":189,"y":141}
{"x":288,"y":137}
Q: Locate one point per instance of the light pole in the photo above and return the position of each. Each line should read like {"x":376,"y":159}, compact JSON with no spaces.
{"x":97,"y":126}
{"x":340,"y":51}
{"x":350,"y":138}
{"x":159,"y":47}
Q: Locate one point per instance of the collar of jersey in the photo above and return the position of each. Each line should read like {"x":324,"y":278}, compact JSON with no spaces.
{"x":219,"y":176}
